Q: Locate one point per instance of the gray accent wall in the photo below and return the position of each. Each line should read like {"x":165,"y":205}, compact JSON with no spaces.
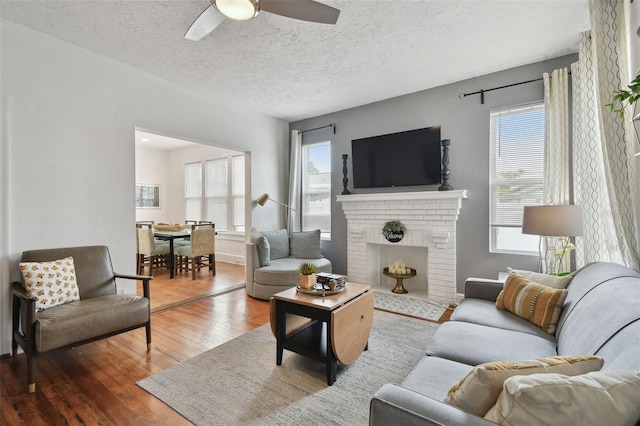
{"x":466,"y":123}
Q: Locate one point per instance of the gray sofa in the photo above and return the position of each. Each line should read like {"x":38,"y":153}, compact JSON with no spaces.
{"x":600,"y":316}
{"x":273,"y":257}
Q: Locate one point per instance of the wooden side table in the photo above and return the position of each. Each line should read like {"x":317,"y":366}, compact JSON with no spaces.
{"x":338,"y":327}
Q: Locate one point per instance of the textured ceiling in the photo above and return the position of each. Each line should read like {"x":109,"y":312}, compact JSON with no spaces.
{"x":292,"y":69}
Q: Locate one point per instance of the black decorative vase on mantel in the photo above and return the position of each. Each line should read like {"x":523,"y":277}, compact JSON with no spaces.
{"x":445,"y":166}
{"x":345,"y":179}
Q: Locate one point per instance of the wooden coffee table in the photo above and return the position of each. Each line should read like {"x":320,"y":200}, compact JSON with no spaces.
{"x":337,"y":328}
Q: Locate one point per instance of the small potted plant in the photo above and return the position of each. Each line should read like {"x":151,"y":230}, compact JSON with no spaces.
{"x":307,"y":277}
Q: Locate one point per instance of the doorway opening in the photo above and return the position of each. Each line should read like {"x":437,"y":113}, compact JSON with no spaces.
{"x":180,"y":181}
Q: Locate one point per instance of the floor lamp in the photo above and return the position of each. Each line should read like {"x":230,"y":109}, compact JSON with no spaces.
{"x":551,"y":221}
{"x":265,"y":197}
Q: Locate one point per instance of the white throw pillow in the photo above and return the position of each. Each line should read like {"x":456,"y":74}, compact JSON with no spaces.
{"x":53,"y":283}
{"x":544,"y":279}
{"x":597,"y":398}
{"x":478,"y":390}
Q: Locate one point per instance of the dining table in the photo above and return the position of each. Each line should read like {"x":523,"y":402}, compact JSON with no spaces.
{"x":171,"y":236}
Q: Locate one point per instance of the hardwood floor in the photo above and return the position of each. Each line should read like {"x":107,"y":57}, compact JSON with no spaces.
{"x":166,"y":293}
{"x":96,"y":383}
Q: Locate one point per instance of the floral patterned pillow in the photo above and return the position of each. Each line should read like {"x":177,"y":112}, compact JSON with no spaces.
{"x":52,"y":283}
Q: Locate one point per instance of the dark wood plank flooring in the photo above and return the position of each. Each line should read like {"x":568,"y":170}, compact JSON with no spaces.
{"x":96,"y":383}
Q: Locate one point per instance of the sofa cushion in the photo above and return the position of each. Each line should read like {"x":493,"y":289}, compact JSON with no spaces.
{"x":284,"y":272}
{"x":88,"y":318}
{"x":305,"y":245}
{"x":544,"y":279}
{"x":434,"y":376}
{"x":475,"y":344}
{"x":603,"y":299}
{"x":262,"y":246}
{"x":621,"y":351}
{"x":477,"y":392}
{"x":535,"y":302}
{"x":485,"y":312}
{"x":278,"y":243}
{"x":597,"y":398}
{"x":52,"y":283}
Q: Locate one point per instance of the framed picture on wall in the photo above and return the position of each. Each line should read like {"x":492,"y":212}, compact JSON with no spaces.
{"x":147,"y":196}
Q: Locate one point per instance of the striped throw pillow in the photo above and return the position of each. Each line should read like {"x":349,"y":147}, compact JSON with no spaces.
{"x":534,"y":302}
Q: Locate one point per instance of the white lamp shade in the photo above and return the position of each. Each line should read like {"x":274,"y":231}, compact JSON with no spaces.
{"x":552,"y":221}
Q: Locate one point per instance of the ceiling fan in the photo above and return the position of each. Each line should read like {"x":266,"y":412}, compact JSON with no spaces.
{"x":242,"y":10}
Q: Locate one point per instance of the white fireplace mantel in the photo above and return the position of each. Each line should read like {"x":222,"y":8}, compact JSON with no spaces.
{"x":430,"y":218}
{"x":403,"y":196}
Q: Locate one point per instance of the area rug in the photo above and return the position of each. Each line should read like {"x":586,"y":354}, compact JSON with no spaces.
{"x":407,"y":305}
{"x":239,"y":382}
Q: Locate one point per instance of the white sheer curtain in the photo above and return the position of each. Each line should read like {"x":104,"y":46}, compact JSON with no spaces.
{"x":602,"y":149}
{"x":557,"y":165}
{"x":557,"y":182}
{"x":295,"y":181}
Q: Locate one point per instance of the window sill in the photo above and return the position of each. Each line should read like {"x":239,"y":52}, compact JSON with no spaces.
{"x":231,"y":236}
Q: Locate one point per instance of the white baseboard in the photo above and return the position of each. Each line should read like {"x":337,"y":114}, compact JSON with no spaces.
{"x":230,"y":258}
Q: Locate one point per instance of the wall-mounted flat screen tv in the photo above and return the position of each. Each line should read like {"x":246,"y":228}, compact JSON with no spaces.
{"x":398,"y":159}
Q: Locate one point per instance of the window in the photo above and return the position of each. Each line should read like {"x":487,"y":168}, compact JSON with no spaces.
{"x":316,"y":188}
{"x":216,"y":192}
{"x":516,"y":175}
{"x":221,"y":198}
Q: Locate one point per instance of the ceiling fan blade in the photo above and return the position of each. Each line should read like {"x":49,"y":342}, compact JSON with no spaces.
{"x":305,"y":10}
{"x":204,"y":24}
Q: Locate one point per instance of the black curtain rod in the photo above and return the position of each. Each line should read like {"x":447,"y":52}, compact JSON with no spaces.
{"x":482,"y":92}
{"x":322,"y":127}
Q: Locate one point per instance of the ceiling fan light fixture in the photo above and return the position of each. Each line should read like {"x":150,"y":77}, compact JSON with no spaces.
{"x":238,"y":10}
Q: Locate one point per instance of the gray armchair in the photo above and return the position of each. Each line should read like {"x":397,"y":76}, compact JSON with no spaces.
{"x":101,"y":312}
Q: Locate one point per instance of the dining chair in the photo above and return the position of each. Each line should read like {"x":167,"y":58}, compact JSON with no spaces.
{"x":201,"y":250}
{"x":149,"y":250}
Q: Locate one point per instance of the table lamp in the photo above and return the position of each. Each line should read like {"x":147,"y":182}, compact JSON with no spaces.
{"x":552,"y":221}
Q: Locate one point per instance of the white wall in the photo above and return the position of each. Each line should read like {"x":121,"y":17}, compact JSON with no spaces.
{"x":151,"y":168}
{"x":70,"y":150}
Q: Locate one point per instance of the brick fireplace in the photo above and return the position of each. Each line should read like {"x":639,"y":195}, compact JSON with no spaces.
{"x":429,"y":243}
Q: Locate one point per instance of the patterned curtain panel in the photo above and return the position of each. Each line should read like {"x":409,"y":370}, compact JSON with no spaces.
{"x":602,"y":150}
{"x":295,"y":178}
{"x":557,"y":183}
{"x":557,"y":165}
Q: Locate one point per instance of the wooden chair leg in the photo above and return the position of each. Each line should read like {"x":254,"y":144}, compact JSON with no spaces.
{"x":193,"y":267}
{"x":148,"y":329}
{"x":16,"y":325}
{"x":31,"y":371}
{"x":138,"y":264}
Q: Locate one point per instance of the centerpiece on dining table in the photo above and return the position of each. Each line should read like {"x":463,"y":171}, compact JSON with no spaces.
{"x":170,"y":227}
